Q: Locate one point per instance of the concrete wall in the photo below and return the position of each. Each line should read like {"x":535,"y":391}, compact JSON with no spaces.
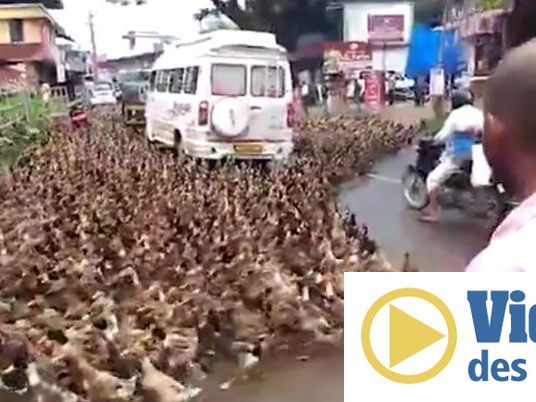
{"x":395,"y":58}
{"x":356,"y":29}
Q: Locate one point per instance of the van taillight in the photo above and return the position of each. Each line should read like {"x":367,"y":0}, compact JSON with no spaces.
{"x":203,"y":113}
{"x":291,"y":115}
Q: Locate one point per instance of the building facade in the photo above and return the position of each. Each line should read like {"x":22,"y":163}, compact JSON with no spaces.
{"x":385,"y":25}
{"x":28,"y":36}
{"x":111,"y":67}
{"x":485,"y":29}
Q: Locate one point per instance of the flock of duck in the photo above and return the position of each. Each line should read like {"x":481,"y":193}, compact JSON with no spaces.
{"x":125,"y":274}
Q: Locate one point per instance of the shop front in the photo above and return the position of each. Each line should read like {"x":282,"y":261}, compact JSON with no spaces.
{"x":343,"y":64}
{"x":483,"y":33}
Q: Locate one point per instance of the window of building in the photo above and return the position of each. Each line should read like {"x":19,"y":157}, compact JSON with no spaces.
{"x":190,"y":81}
{"x":16,"y":30}
{"x":488,"y":53}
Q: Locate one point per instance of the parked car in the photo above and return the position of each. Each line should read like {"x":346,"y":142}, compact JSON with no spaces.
{"x":102,"y":93}
{"x":403,"y":83}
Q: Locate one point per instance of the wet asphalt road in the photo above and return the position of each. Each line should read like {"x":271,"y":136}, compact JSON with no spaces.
{"x":378,"y":201}
{"x":285,"y":379}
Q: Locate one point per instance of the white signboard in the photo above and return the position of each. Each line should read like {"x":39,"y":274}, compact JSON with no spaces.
{"x":437,"y":82}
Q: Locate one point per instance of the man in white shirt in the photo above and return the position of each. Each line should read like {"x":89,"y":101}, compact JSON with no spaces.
{"x":464,"y":123}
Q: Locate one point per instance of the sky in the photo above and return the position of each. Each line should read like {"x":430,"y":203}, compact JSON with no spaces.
{"x":169,"y":17}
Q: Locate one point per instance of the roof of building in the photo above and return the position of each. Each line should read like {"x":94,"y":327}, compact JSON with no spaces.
{"x":132,"y":55}
{"x":53,"y":4}
{"x":42,"y":13}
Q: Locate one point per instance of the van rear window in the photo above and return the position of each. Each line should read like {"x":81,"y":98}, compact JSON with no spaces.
{"x":229,"y":80}
{"x":268,"y":81}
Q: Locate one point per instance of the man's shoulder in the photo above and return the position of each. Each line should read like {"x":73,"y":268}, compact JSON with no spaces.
{"x":513,"y":252}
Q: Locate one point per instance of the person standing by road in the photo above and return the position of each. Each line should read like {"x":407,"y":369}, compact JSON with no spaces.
{"x":420,"y":88}
{"x":304,"y":88}
{"x":391,"y":88}
{"x":510,"y":145}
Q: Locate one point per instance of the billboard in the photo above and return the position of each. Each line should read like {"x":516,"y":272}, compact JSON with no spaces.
{"x":386,"y":28}
{"x":346,"y":56}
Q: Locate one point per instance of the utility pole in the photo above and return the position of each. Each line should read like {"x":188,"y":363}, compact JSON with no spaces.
{"x":438,"y":102}
{"x":93,"y":46}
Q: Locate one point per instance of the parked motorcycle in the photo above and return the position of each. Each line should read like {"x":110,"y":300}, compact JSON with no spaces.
{"x":457,"y":192}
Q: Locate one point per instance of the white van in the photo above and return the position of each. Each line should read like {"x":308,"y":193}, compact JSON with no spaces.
{"x":224,"y":94}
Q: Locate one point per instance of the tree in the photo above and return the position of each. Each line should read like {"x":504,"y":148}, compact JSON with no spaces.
{"x":288,"y":19}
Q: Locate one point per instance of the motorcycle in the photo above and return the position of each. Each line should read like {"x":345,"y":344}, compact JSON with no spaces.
{"x":489,"y":201}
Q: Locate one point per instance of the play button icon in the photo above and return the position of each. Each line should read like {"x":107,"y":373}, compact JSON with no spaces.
{"x":408,"y":336}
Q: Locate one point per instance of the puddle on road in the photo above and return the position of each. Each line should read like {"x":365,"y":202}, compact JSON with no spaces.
{"x":318,"y":380}
{"x":285,"y":379}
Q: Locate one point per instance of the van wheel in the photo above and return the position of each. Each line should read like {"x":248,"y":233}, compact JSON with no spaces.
{"x":178,"y":145}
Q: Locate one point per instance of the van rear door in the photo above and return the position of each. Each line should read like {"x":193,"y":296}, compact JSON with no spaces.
{"x":250,"y":100}
{"x":268,"y":103}
{"x":229,"y":99}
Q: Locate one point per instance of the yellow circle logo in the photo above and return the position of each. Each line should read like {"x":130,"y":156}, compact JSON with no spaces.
{"x":409,"y":336}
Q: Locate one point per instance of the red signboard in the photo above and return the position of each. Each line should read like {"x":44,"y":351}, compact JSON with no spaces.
{"x":386,"y":28}
{"x":344,"y":56}
{"x":374,"y":90}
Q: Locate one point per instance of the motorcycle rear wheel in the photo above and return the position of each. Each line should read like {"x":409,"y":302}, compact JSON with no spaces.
{"x":415,"y":191}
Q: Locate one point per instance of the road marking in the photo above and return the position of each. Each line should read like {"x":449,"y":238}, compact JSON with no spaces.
{"x":384,"y":178}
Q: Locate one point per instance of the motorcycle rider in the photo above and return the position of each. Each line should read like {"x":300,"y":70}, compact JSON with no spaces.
{"x":459,"y":131}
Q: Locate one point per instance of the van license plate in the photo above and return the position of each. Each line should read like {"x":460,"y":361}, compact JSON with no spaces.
{"x":248,"y":149}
